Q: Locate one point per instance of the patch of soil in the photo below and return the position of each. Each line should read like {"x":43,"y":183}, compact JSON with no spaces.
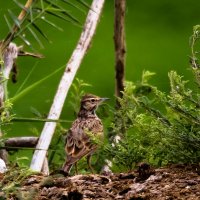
{"x":167,"y":183}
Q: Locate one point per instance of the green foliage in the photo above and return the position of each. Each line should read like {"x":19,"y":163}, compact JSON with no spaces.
{"x":194,"y":58}
{"x":57,"y":155}
{"x":77,"y":93}
{"x":34,"y":85}
{"x":13,"y":179}
{"x":39,"y":12}
{"x":154,"y":126}
{"x":4,"y":110}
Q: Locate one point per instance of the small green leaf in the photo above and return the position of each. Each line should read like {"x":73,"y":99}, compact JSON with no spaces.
{"x":23,"y":38}
{"x":57,"y":15}
{"x":14,"y":18}
{"x":66,"y":13}
{"x":51,"y":24}
{"x":73,"y":5}
{"x":195,"y":28}
{"x":20,"y":5}
{"x":36,"y":37}
{"x":42,"y":4}
{"x":40,"y":31}
{"x":83,"y":3}
{"x":146,"y":75}
{"x":36,"y":112}
{"x":31,"y":13}
{"x":8,"y":23}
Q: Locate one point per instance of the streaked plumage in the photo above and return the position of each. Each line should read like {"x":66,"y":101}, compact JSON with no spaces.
{"x":79,"y":141}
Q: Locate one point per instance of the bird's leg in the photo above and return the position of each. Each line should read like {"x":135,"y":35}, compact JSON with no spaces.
{"x":89,"y":163}
{"x":76,"y":168}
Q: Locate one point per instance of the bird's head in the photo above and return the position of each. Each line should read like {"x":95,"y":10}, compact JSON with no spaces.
{"x":90,"y":102}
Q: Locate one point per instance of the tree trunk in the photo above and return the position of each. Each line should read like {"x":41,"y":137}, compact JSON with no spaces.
{"x":120,"y":46}
{"x":120,"y":50}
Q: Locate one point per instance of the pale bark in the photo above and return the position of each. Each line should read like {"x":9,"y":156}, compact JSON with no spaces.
{"x":3,"y":168}
{"x":65,"y":83}
{"x":45,"y":166}
{"x":9,"y":56}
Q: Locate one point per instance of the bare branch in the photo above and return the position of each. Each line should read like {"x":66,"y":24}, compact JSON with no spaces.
{"x":65,"y":83}
{"x":21,"y":142}
{"x":24,"y":53}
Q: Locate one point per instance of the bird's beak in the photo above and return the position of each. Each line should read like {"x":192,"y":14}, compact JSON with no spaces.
{"x":103,"y":99}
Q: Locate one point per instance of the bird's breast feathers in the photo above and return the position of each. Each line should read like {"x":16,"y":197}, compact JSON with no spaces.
{"x":84,"y":134}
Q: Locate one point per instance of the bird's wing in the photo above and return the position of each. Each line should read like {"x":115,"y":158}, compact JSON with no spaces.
{"x":79,"y":142}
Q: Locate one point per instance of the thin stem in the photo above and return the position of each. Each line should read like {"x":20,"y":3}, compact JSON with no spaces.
{"x":26,"y":119}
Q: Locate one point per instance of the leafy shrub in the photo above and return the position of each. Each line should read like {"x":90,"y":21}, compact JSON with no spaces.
{"x":154,"y":126}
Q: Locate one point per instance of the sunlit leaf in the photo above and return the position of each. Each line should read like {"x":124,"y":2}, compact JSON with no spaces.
{"x":25,"y":40}
{"x":51,"y":24}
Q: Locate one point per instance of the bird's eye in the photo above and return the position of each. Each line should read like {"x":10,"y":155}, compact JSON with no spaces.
{"x":92,"y":100}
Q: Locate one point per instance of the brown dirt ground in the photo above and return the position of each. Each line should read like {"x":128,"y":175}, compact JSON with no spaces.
{"x":167,"y":183}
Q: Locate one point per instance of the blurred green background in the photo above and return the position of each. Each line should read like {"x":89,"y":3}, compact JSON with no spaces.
{"x":157,"y":37}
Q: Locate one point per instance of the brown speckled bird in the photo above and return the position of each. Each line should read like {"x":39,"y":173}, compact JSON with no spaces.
{"x":79,"y":142}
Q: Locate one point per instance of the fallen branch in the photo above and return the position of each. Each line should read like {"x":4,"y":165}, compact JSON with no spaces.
{"x":18,"y":143}
{"x":65,"y":83}
{"x":21,"y":142}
